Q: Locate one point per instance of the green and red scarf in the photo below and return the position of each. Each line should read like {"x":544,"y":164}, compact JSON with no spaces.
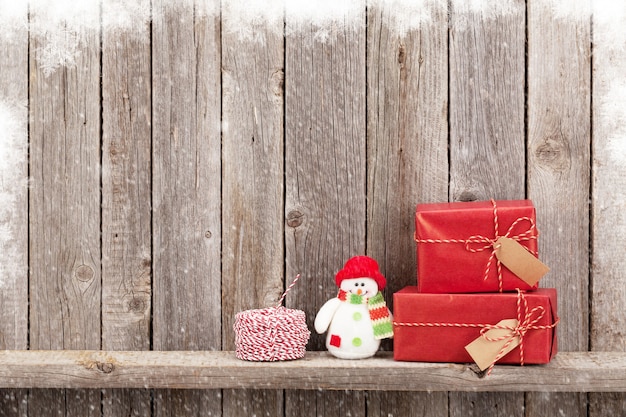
{"x":377,"y":308}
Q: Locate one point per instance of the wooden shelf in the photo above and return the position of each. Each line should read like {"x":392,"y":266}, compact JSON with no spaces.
{"x":569,"y":371}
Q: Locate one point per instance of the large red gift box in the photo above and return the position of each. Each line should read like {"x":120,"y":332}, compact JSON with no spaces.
{"x":455,"y":245}
{"x":437,"y":327}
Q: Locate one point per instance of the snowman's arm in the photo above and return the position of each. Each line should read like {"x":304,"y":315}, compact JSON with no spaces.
{"x":325,"y":315}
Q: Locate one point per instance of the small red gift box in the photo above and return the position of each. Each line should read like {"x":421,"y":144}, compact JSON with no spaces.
{"x":438,"y":327}
{"x":456,"y":245}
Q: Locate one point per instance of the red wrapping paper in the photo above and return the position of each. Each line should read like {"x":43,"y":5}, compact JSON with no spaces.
{"x":429,"y":342}
{"x":452,"y":267}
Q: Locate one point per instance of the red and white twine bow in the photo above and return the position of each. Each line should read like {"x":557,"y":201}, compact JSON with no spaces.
{"x":526,"y":320}
{"x":479,"y":243}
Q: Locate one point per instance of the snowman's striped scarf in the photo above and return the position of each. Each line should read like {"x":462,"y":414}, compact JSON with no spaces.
{"x":379,"y":313}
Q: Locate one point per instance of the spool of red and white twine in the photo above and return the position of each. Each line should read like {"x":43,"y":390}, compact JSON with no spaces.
{"x":271,"y":334}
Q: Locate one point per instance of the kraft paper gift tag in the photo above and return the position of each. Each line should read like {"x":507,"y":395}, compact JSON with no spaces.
{"x":484,"y":352}
{"x":519,"y":261}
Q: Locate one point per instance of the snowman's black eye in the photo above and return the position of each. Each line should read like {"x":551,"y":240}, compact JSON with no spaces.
{"x":362,"y":284}
{"x":356,"y":284}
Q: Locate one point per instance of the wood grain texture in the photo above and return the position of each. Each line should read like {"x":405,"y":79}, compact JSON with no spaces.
{"x":543,"y":403}
{"x":558,"y":159}
{"x":186,"y":181}
{"x":252,"y":192}
{"x":407,"y":154}
{"x":65,"y":203}
{"x":317,"y":371}
{"x":126,"y":185}
{"x":14,"y":284}
{"x":487,"y":144}
{"x":608,"y":199}
{"x":487,"y":102}
{"x":607,"y":404}
{"x":325,"y":403}
{"x":609,"y":169}
{"x":396,"y":403}
{"x":559,"y":59}
{"x":64,"y":239}
{"x":126,"y":199}
{"x":501,"y":404}
{"x":325,"y":154}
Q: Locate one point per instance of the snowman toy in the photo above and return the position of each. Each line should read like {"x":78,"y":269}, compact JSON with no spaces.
{"x":358,"y":318}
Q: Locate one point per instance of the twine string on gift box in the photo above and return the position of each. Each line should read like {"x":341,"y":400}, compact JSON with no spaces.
{"x":271,"y":334}
{"x":474,"y":242}
{"x":526,"y":320}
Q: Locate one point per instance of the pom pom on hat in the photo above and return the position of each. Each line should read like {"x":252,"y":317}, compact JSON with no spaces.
{"x":361,"y":267}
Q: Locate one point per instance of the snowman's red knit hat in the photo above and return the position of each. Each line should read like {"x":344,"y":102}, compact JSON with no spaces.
{"x":361,"y":267}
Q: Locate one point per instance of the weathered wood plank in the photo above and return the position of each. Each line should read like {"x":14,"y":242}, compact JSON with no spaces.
{"x":399,"y":403}
{"x":186,"y":190}
{"x":558,"y":159}
{"x":568,"y":371}
{"x":65,"y":261}
{"x":487,"y":404}
{"x":65,"y":202}
{"x":407,"y":153}
{"x":126,"y":183}
{"x":558,"y":128}
{"x":126,"y":211}
{"x":487,"y":144}
{"x":324,"y":403}
{"x":325,"y":154}
{"x":252,"y":197}
{"x":545,"y":403}
{"x":608,"y":200}
{"x":487,"y":101}
{"x":14,"y":210}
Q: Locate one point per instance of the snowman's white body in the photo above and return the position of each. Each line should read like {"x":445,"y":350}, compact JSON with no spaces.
{"x":350,"y":331}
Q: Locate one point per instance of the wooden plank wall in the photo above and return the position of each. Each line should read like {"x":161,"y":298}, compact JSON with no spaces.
{"x":558,"y":174}
{"x":183,"y":172}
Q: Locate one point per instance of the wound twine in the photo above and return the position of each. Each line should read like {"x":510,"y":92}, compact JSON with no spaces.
{"x":271,"y":334}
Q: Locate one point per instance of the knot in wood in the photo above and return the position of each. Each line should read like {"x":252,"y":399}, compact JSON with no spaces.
{"x":136,"y":305}
{"x":105,"y":367}
{"x":295,"y":218}
{"x":208,"y":234}
{"x":467,"y":195}
{"x":278,"y":82}
{"x":401,"y":54}
{"x":84,"y":273}
{"x":554,"y":153}
{"x":113,"y":151}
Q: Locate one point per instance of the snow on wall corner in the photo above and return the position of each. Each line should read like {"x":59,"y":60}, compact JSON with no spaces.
{"x":13,"y":189}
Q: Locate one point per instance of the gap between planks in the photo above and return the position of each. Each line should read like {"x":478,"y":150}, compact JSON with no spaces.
{"x":568,"y":372}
